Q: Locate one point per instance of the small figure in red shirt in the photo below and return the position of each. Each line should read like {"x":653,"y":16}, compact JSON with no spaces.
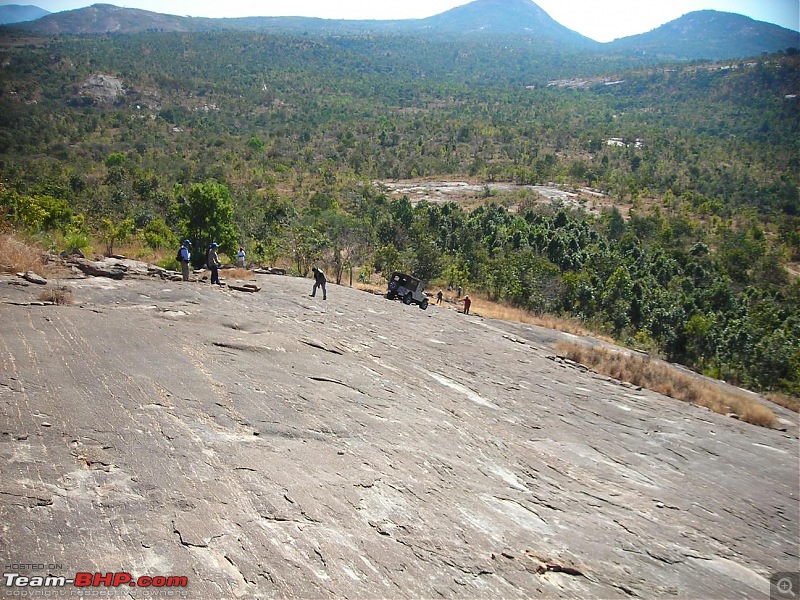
{"x":467,"y":303}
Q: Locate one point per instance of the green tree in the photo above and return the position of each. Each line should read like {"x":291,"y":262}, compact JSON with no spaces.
{"x":349,"y":238}
{"x":455,"y":270}
{"x":256,"y":144}
{"x":700,"y":330}
{"x":307,"y":245}
{"x":387,"y":260}
{"x":158,"y":236}
{"x":425,"y":258}
{"x":739,"y":251}
{"x":115,"y":159}
{"x":614,"y":223}
{"x":112,"y":233}
{"x":205,"y":211}
{"x":38,"y":212}
{"x":616,"y":298}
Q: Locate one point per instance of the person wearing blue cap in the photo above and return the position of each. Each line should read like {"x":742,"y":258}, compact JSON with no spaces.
{"x":213,"y":263}
{"x":185,"y":258}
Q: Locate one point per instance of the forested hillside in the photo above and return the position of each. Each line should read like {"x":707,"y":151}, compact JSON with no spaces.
{"x":280,"y":143}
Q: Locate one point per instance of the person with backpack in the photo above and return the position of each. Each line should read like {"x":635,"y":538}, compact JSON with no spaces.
{"x":183,"y":257}
{"x":213,"y":263}
{"x":319,"y":281}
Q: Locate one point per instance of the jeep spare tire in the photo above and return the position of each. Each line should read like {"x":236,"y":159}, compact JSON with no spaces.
{"x":393,"y":285}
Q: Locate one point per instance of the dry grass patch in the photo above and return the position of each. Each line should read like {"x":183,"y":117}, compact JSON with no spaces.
{"x":493,"y":310}
{"x":501,"y":312}
{"x":18,"y":256}
{"x":135,"y":249}
{"x":665,"y":379}
{"x":237,"y":273}
{"x":790,"y":402}
{"x":57,"y":294}
{"x":370,"y":287}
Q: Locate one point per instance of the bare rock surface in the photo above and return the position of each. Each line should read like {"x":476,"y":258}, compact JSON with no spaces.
{"x":439,"y":192}
{"x":275,"y":445}
{"x":104,"y":88}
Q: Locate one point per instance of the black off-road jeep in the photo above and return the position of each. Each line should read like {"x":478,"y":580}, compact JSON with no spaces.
{"x":408,"y":289}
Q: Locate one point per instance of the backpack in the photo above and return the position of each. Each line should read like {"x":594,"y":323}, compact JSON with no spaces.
{"x":179,"y":257}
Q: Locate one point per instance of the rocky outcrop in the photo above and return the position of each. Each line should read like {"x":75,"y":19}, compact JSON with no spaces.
{"x":276,"y":445}
{"x":33,"y":277}
{"x":103,"y":88}
{"x":98,"y":269}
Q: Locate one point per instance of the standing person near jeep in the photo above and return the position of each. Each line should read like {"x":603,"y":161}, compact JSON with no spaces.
{"x":319,"y":281}
{"x":213,"y":263}
{"x":185,"y":258}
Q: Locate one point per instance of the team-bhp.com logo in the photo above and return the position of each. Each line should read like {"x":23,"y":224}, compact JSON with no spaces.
{"x":93,"y":580}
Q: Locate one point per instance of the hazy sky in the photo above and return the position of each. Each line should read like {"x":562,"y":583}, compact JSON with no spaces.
{"x":601,"y":20}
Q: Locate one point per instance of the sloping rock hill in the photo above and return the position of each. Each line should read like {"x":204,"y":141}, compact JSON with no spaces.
{"x":275,"y":445}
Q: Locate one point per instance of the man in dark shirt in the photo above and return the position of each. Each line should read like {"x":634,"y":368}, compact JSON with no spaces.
{"x":319,"y":281}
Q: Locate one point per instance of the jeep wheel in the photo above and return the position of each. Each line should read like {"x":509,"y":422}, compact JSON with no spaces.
{"x":409,"y":298}
{"x":391,"y":295}
{"x":424,"y":304}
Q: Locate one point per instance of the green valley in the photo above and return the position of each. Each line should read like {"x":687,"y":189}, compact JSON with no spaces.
{"x":281,"y":142}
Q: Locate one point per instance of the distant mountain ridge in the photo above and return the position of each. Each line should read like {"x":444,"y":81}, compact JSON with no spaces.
{"x":703,"y":34}
{"x":709,"y":34}
{"x":107,"y":18}
{"x":505,"y":17}
{"x":19,"y":13}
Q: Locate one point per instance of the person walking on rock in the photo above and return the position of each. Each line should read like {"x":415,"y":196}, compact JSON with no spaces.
{"x":319,"y":281}
{"x":213,"y":263}
{"x":186,"y":256}
{"x":439,"y":297}
{"x":240,"y":257}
